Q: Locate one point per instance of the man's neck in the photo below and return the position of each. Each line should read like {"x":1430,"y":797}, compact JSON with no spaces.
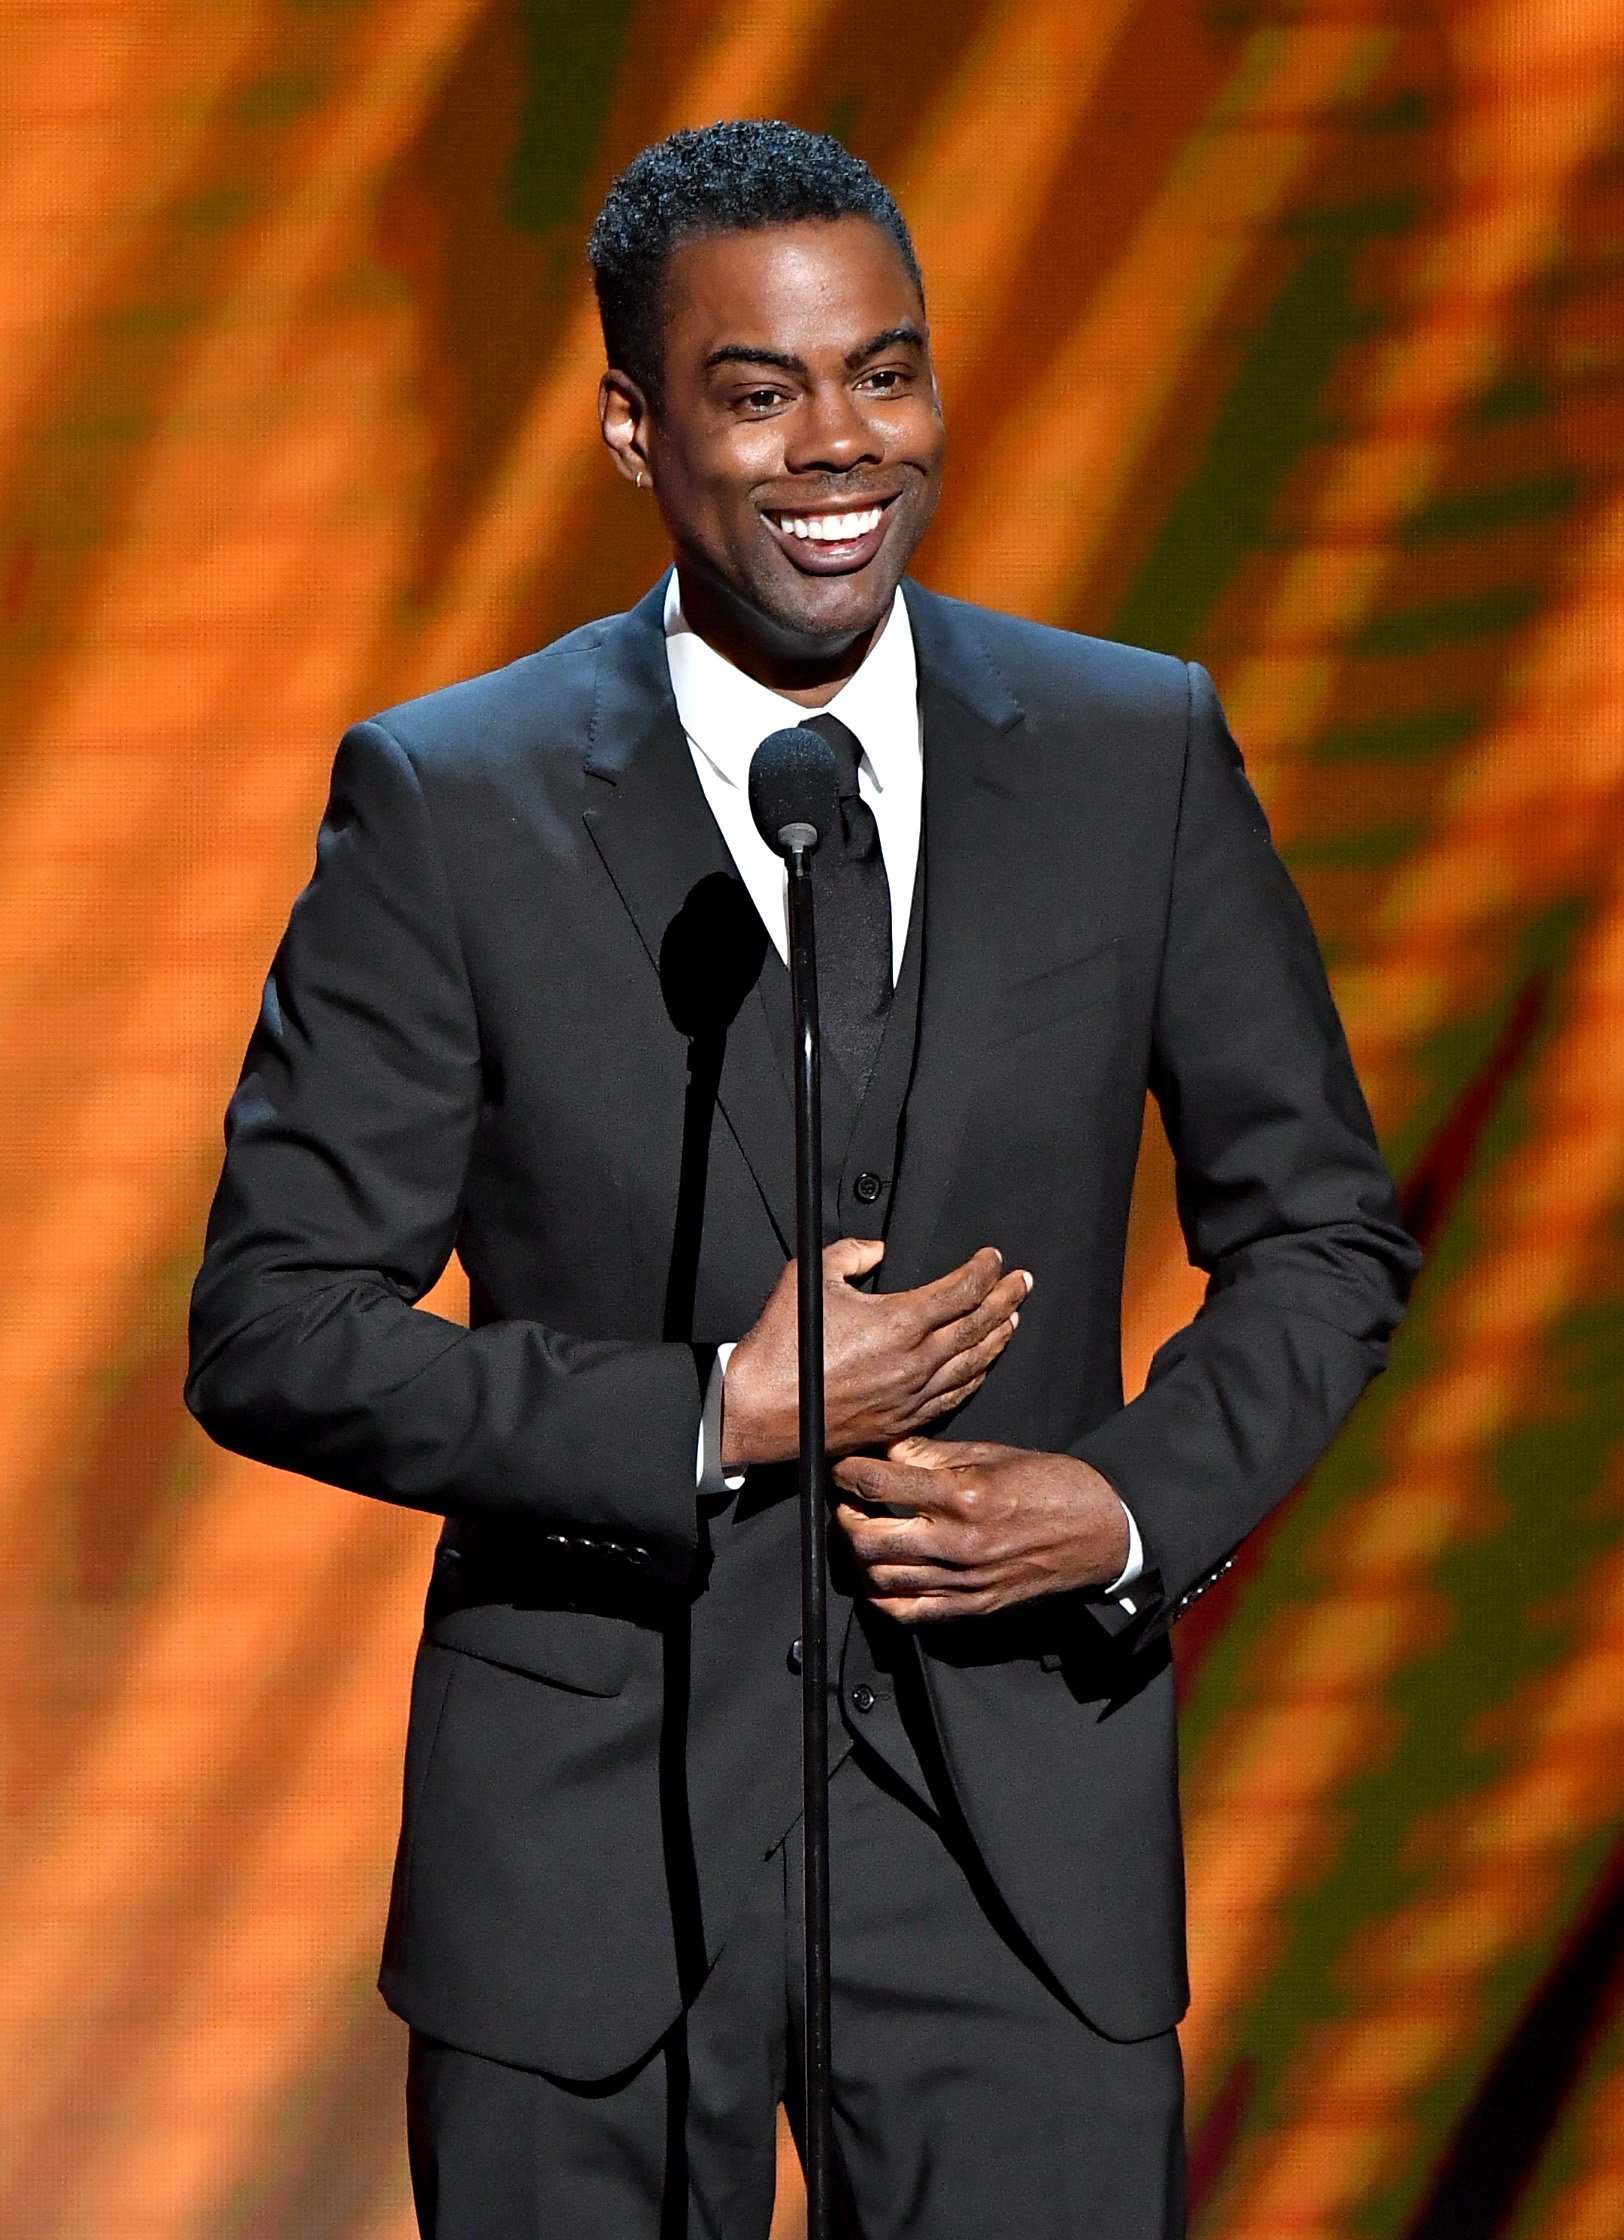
{"x":810,"y":678}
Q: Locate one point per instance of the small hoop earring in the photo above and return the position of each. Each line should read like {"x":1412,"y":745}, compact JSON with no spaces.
{"x":639,"y":478}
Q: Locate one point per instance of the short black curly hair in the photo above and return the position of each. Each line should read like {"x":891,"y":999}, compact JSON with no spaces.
{"x":725,"y":178}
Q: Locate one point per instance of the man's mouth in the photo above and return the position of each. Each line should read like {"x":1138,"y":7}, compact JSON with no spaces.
{"x":825,"y":540}
{"x":831,"y":528}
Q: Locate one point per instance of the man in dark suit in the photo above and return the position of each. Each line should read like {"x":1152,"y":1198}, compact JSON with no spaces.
{"x":532,"y":1008}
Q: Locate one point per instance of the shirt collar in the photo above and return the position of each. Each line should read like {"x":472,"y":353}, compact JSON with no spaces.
{"x":727,"y":714}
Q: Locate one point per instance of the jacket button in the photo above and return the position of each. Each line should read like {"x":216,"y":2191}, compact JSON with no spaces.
{"x":868,"y":1188}
{"x":793,"y":1660}
{"x":862,"y":1697}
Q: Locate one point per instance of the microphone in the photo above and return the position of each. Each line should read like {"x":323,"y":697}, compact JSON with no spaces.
{"x":795,"y":798}
{"x":794,"y":790}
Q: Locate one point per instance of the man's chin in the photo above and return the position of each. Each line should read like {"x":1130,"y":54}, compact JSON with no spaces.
{"x":824,"y":613}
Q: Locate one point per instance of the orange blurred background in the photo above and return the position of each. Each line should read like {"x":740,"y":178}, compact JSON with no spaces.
{"x":1289,"y":337}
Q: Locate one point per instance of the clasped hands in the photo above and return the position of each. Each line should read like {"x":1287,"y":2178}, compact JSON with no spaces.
{"x":940,"y":1528}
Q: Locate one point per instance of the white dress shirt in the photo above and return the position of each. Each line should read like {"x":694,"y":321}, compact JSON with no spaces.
{"x":726,"y":715}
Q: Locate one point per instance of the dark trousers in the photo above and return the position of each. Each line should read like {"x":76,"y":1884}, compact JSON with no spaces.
{"x":970,"y":2103}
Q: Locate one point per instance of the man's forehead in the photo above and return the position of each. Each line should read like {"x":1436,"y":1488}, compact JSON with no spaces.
{"x":819,"y":283}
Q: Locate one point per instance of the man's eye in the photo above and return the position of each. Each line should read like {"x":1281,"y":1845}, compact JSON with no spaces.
{"x":760,"y":400}
{"x":884,"y":378}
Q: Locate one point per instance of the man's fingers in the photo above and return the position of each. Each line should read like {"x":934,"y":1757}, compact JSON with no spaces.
{"x":850,"y":1257}
{"x":959,"y":1581}
{"x":960,"y":1368}
{"x":1006,"y":1297}
{"x":920,"y":1453}
{"x":939,"y":1608}
{"x":870,"y":1478}
{"x":897,"y":1485}
{"x":906,"y":1540}
{"x":915,"y":1554}
{"x":954,"y":1295}
{"x":998,"y":1311}
{"x":926,"y":1495}
{"x":889,"y":1551}
{"x":954,"y":1396}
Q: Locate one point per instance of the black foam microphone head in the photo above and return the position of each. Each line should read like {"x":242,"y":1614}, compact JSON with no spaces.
{"x":794,"y":789}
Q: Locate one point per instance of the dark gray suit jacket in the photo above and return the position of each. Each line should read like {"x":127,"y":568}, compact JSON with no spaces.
{"x":489,"y":1029}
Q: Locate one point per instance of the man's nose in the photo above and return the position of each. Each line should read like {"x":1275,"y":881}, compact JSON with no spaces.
{"x":830,"y":431}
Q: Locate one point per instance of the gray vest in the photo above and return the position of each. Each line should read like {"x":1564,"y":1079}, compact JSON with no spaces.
{"x":873,"y":1662}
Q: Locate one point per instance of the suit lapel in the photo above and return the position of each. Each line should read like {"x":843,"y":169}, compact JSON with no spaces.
{"x":649,"y":821}
{"x":975,"y":843}
{"x":650,"y":824}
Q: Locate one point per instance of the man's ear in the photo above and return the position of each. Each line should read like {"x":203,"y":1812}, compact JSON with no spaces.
{"x":624,"y":417}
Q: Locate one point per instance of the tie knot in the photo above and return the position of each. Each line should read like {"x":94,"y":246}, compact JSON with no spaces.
{"x":848,"y":749}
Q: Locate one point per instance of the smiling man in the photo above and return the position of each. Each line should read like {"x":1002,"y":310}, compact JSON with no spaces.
{"x":533,"y":1008}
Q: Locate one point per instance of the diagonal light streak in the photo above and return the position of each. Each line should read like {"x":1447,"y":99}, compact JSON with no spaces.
{"x":1498,"y":1861}
{"x":1516,"y":151}
{"x":1054,"y":480}
{"x":1313,"y":1713}
{"x":103,"y":114}
{"x":1537,"y":99}
{"x":203,"y":691}
{"x":193,"y":2114}
{"x":745,"y":67}
{"x":120,"y":1845}
{"x":979,"y":171}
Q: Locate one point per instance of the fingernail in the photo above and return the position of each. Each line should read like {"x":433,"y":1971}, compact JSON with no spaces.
{"x":1030,"y":1278}
{"x":1015,"y":1319}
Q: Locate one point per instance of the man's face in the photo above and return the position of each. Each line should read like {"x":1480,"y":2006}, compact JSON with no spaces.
{"x":797,"y":451}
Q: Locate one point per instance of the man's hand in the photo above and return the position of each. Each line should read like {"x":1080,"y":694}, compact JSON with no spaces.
{"x":892,"y":1360}
{"x":986,"y":1527}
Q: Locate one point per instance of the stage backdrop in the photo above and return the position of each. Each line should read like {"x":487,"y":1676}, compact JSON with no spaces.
{"x":1286,"y":336}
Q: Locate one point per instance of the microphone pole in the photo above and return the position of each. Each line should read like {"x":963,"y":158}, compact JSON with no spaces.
{"x":793,"y":788}
{"x":814,"y":1528}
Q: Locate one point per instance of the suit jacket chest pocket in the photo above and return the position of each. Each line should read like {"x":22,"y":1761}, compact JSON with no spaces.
{"x":1056,"y":999}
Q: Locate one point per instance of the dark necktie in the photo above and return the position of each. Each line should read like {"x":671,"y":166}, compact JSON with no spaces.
{"x":852,"y":901}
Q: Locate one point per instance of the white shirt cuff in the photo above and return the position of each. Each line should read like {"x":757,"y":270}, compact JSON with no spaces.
{"x":709,"y":1476}
{"x":1131,"y":1569}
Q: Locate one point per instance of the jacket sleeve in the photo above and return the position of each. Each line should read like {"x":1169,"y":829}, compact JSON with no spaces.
{"x":347,"y":1146}
{"x":1283,"y":1198}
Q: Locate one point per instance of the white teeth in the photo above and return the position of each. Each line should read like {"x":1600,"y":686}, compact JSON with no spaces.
{"x":831,"y":528}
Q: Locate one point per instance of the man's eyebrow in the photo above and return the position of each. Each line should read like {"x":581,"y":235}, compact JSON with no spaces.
{"x":907,"y":332}
{"x":749,"y":354}
{"x":753,"y":354}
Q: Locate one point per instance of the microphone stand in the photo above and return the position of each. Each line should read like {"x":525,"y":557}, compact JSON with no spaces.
{"x":798,"y":841}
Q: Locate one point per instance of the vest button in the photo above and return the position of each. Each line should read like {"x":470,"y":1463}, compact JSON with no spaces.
{"x":862,"y":1697}
{"x":867,"y":1188}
